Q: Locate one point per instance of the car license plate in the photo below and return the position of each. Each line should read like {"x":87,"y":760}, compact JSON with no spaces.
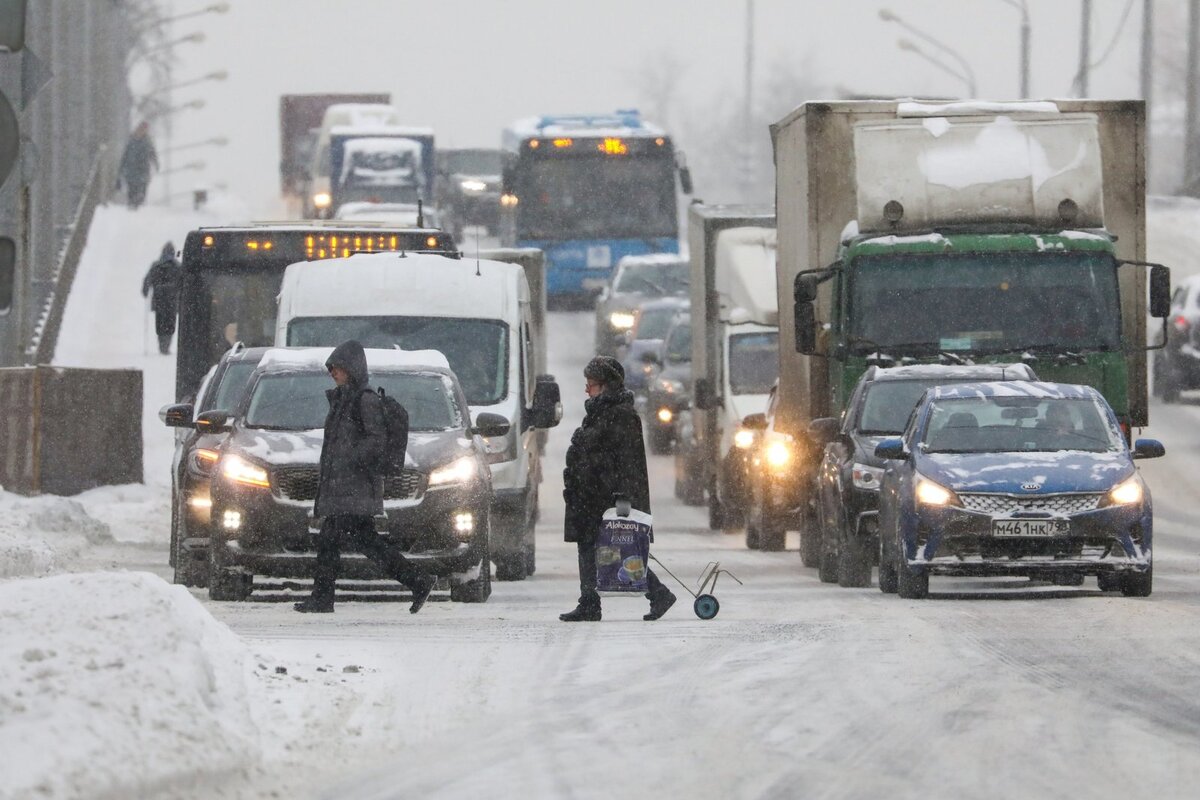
{"x":1030,"y":527}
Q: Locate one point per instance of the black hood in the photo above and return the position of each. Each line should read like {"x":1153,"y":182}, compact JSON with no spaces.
{"x":350,"y":357}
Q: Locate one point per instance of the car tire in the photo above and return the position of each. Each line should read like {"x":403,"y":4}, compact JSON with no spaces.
{"x":478,"y":590}
{"x":810,"y":548}
{"x":693,"y":492}
{"x":910,"y":585}
{"x":716,"y":515}
{"x":888,"y":583}
{"x":1137,"y":584}
{"x":189,"y":570}
{"x":751,"y":535}
{"x":226,"y":583}
{"x":772,"y":536}
{"x":174,"y":532}
{"x":854,"y":561}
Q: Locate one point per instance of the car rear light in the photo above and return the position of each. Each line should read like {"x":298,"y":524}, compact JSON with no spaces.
{"x":1180,"y":323}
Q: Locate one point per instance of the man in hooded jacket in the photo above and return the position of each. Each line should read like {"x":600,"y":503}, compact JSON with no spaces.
{"x":607,"y":457}
{"x":350,"y":491}
{"x":163,"y":279}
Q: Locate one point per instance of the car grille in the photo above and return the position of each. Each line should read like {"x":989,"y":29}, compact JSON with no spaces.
{"x":1053,"y":503}
{"x":300,"y":483}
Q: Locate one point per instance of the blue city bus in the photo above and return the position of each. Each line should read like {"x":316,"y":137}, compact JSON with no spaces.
{"x":589,"y":190}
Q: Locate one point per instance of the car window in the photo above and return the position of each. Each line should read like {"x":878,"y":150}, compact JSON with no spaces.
{"x":297,"y":400}
{"x":228,"y":391}
{"x":654,"y":323}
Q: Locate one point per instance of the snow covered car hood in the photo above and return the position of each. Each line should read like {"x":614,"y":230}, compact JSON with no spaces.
{"x":1016,"y":473}
{"x":426,"y":450}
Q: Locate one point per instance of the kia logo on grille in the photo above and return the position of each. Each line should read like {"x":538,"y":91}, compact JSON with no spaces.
{"x":1031,"y":487}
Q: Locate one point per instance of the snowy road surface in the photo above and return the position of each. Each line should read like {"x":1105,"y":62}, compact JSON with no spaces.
{"x":797,"y":688}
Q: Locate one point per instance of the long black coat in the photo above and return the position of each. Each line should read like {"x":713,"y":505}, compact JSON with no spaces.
{"x":137,"y":159}
{"x":163,"y":278}
{"x":355,"y":440}
{"x":607,"y":456}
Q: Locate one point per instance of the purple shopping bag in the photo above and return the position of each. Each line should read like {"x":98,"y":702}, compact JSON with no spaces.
{"x":623,"y":552}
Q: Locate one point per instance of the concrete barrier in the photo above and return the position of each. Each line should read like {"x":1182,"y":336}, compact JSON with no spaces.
{"x":65,"y":430}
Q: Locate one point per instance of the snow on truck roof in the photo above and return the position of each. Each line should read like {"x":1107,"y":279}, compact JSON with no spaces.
{"x":412,"y":284}
{"x":290,"y":358}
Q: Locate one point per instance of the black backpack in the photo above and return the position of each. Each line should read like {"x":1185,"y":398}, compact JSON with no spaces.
{"x":395,"y":426}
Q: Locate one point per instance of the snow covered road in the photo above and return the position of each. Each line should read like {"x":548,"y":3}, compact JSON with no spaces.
{"x":797,"y":688}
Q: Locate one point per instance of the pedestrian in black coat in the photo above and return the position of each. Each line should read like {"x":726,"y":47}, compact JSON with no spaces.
{"x":607,"y":457}
{"x":163,"y":279}
{"x":350,"y":490}
{"x":137,"y":159}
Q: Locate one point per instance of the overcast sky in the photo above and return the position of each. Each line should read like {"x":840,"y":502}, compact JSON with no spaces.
{"x":469,"y":67}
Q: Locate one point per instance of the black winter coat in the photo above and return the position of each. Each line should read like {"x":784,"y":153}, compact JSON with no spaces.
{"x":607,"y":456}
{"x":137,"y":159}
{"x":355,"y":440}
{"x":163,"y":278}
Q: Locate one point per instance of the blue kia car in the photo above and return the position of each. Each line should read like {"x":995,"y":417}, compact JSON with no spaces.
{"x":1015,"y":478}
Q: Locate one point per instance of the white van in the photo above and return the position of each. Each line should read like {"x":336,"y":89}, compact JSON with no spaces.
{"x":479,"y":314}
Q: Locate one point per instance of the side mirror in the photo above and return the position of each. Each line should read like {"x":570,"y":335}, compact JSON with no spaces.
{"x":1148,"y":448}
{"x":824,"y":430}
{"x":805,"y":328}
{"x":804,"y":290}
{"x":547,"y":403}
{"x":704,"y":395}
{"x":488,"y":425}
{"x":1160,"y":291}
{"x":213,"y":422}
{"x":685,"y":180}
{"x":177,"y":416}
{"x":891,"y":449}
{"x":755,"y":422}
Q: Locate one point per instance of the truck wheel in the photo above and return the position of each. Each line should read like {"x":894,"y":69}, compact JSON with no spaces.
{"x":1137,"y":584}
{"x":478,"y":590}
{"x":854,"y":561}
{"x":910,"y":585}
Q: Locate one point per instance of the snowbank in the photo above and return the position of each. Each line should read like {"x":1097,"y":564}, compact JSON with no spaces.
{"x":118,"y":684}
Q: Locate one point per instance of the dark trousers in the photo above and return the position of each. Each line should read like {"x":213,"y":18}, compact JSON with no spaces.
{"x":136,"y":191}
{"x":589,"y":598}
{"x":361,"y":531}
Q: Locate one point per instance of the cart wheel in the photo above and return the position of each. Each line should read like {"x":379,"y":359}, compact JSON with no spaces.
{"x":706,"y":606}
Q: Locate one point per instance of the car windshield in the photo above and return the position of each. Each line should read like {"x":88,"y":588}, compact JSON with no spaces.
{"x":654,"y":279}
{"x":679,"y":344}
{"x":1019,"y":424}
{"x":655,"y":322}
{"x":753,"y":362}
{"x":476,"y":349}
{"x":986,"y":302}
{"x":296,"y":401}
{"x":233,"y":383}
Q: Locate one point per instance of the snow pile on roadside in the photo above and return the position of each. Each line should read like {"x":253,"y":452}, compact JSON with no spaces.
{"x":45,"y":534}
{"x":118,"y":684}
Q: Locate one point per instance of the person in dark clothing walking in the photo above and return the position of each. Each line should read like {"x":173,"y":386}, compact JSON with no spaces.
{"x":163,"y":280}
{"x":136,"y":161}
{"x":350,"y":489}
{"x":607,"y":457}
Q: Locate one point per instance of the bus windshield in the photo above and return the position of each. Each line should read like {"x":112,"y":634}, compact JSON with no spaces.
{"x":596,"y":197}
{"x":477,"y":349}
{"x":986,"y":302}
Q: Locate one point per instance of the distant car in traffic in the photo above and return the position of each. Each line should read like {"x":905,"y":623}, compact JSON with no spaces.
{"x":642,"y":357}
{"x":407,"y":214}
{"x":468,"y":187}
{"x":197,"y":449}
{"x":670,"y":391}
{"x":636,"y":280}
{"x":1177,"y":366}
{"x":268,"y":472}
{"x":1015,"y":478}
{"x":847,"y":492}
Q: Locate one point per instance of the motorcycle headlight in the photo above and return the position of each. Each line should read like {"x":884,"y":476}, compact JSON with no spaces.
{"x":458,"y":471}
{"x":866,"y":477}
{"x":621,"y":320}
{"x":1126,"y":492}
{"x":239,"y":470}
{"x":934,"y":494}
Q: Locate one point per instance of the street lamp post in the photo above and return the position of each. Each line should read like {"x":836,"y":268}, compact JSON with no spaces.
{"x":967,"y":74}
{"x":1023,"y":7}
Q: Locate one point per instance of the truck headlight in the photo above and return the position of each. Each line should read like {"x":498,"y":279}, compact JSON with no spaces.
{"x":621,"y":320}
{"x":866,"y":477}
{"x":239,"y":470}
{"x":934,"y":494}
{"x":743,"y":439}
{"x":322,"y":200}
{"x":1126,"y":493}
{"x":458,"y":471}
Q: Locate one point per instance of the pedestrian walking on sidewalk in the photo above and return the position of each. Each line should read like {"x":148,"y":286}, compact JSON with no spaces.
{"x":350,"y":489}
{"x":607,"y":457}
{"x":163,"y":280}
{"x":137,"y":159}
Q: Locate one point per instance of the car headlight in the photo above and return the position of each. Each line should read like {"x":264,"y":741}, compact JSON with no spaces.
{"x":1126,"y":492}
{"x":621,"y":320}
{"x":471,"y":185}
{"x":743,"y":439}
{"x":665,"y":415}
{"x":866,"y":477}
{"x":458,"y":471}
{"x":202,"y":460}
{"x":322,"y":200}
{"x":778,"y":454}
{"x":239,"y":470}
{"x":934,"y":494}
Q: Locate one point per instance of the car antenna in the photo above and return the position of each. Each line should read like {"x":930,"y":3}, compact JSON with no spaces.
{"x":420,"y":213}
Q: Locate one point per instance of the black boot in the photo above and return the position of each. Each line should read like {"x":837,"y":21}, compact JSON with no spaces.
{"x":421,"y":590}
{"x":581,"y":614}
{"x":659,"y":605}
{"x":314,"y":605}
